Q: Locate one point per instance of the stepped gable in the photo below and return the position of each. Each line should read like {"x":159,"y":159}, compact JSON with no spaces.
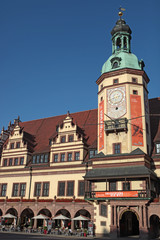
{"x":43,"y":129}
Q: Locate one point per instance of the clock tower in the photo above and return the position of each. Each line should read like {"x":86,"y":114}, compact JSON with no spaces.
{"x":123,"y":114}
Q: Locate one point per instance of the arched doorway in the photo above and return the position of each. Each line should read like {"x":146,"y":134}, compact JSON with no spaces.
{"x":154,"y":226}
{"x":26,"y":217}
{"x":129,"y":224}
{"x":13,"y":212}
{"x":82,"y":224}
{"x":42,"y":222}
{"x":60,"y":222}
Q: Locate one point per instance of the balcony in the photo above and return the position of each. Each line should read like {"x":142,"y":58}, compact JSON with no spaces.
{"x":119,"y":194}
{"x":116,"y":125}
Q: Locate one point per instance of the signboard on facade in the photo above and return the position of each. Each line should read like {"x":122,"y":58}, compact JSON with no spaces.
{"x":119,"y":194}
{"x":101,"y":125}
{"x":136,"y":120}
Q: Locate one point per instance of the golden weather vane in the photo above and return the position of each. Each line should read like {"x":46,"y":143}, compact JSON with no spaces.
{"x":121,"y":10}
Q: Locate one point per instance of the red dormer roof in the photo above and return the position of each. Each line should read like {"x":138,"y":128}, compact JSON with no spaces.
{"x":43,"y":129}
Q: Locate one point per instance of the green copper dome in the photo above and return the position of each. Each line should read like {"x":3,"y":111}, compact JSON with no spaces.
{"x":121,"y":50}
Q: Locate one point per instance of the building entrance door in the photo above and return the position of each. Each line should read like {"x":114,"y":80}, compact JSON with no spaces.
{"x":129,"y":224}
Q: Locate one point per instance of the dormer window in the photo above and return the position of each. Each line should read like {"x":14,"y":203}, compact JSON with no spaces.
{"x":158,"y":148}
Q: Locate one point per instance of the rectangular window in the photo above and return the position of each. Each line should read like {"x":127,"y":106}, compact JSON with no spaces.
{"x":77,"y":156}
{"x":115,"y":81}
{"x":12,"y":145}
{"x":81,"y":188}
{"x":15,"y":161}
{"x":63,"y":139}
{"x":3,"y":190}
{"x":61,"y":189}
{"x":126,"y":186}
{"x":34,"y":159}
{"x":62,"y":157}
{"x":70,"y":188}
{"x":135,"y":92}
{"x":55,"y":157}
{"x":5,"y":162}
{"x":21,"y":160}
{"x":46,"y":158}
{"x":103,"y":210}
{"x":69,"y":157}
{"x":116,"y":148}
{"x":112,"y":186}
{"x":10,"y":161}
{"x":15,"y":189}
{"x":158,"y":148}
{"x":70,"y":138}
{"x":37,"y":189}
{"x":45,"y":189}
{"x":38,"y":158}
{"x":42,"y":158}
{"x":134,"y":80}
{"x":91,"y":153}
{"x":22,"y":189}
{"x":18,"y":145}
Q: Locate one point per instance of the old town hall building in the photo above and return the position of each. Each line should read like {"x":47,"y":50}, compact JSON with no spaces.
{"x":101,"y":164}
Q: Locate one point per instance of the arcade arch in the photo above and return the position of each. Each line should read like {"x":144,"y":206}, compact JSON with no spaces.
{"x":129,"y":223}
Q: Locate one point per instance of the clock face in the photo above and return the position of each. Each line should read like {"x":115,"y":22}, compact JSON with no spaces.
{"x":116,"y":102}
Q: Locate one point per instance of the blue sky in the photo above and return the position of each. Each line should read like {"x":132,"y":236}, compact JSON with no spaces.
{"x":52,"y":52}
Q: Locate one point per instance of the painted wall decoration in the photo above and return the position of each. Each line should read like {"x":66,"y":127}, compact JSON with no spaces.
{"x":101,"y":125}
{"x":116,"y":102}
{"x":136,"y":122}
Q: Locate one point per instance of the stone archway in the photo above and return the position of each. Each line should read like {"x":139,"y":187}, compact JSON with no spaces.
{"x":26,"y":217}
{"x":42,"y":222}
{"x":63,"y":223}
{"x":83,"y":224}
{"x":154,"y":226}
{"x":129,"y":223}
{"x":14,"y":212}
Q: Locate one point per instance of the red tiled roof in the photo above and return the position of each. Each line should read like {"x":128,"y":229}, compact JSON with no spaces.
{"x":43,"y":129}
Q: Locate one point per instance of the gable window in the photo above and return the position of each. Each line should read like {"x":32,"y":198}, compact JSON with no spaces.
{"x":10,"y":161}
{"x":5,"y":162}
{"x":15,"y":189}
{"x":37,"y":192}
{"x":45,"y":191}
{"x":3,"y":190}
{"x":157,"y":148}
{"x":77,"y":155}
{"x":70,"y":138}
{"x":69,"y":157}
{"x":18,"y":145}
{"x":116,"y":148}
{"x":63,"y":139}
{"x":61,"y":189}
{"x":12,"y":146}
{"x":55,"y":157}
{"x":21,"y":160}
{"x":70,"y":188}
{"x":62,"y":157}
{"x":81,"y":188}
{"x":103,"y":210}
{"x":15,"y":161}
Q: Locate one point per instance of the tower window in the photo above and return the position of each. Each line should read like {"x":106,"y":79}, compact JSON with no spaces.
{"x":118,"y":43}
{"x":101,"y":86}
{"x":125,"y":42}
{"x":157,"y":148}
{"x":116,"y":148}
{"x":115,"y":81}
{"x":115,"y":64}
{"x":134,"y":80}
{"x":135,"y":92}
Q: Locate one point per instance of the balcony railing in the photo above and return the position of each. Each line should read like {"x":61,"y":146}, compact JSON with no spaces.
{"x":133,"y":194}
{"x":117,"y":125}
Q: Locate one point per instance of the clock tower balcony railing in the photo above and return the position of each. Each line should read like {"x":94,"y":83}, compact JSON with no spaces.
{"x":116,"y":125}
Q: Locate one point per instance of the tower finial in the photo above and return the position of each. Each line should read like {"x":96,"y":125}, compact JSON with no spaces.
{"x":121,"y":10}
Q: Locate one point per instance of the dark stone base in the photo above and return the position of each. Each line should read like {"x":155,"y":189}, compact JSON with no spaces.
{"x":143,"y":233}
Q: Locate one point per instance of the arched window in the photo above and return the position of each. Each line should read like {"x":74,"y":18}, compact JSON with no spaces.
{"x":118,"y":43}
